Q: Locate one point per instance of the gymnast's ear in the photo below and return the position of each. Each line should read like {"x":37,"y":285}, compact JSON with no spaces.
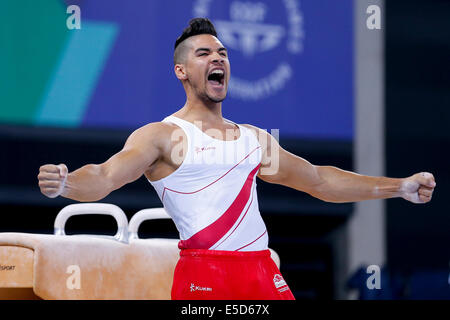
{"x":180,"y":71}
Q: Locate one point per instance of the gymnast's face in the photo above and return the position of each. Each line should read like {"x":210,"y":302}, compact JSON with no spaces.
{"x":205,"y":67}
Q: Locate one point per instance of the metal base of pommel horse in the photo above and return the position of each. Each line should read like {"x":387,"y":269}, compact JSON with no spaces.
{"x":85,"y":267}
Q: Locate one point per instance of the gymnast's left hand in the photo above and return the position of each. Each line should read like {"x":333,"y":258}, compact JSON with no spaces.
{"x":418,"y":188}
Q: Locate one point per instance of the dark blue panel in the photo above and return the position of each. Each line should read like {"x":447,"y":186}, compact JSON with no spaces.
{"x":291,"y":63}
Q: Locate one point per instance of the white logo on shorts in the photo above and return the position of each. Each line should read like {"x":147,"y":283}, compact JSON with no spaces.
{"x":198,"y":288}
{"x":279,"y":281}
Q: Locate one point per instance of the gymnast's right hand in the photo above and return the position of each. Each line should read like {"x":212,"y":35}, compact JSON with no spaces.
{"x":52,"y":179}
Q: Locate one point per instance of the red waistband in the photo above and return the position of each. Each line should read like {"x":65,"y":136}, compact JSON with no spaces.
{"x":224,"y":254}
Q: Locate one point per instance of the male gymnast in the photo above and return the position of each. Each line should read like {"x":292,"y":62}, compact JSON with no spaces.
{"x":204,"y":169}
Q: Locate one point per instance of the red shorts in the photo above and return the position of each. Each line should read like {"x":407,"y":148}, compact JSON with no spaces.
{"x":228,"y":275}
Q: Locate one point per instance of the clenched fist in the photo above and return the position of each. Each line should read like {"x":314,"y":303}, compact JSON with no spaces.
{"x":52,"y":179}
{"x":418,"y":188}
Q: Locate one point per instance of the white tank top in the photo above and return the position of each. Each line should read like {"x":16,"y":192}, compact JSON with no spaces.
{"x":211,"y":196}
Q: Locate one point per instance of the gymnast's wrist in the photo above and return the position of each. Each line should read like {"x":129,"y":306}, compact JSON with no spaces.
{"x":64,"y":192}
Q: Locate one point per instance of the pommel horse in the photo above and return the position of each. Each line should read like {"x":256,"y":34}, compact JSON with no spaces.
{"x":90,"y":267}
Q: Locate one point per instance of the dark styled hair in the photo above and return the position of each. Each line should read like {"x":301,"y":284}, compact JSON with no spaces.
{"x":196,"y":26}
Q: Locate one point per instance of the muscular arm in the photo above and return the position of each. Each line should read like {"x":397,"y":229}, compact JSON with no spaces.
{"x":95,"y":181}
{"x":332,"y":184}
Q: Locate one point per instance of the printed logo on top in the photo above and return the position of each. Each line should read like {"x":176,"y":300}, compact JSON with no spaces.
{"x":257,"y":31}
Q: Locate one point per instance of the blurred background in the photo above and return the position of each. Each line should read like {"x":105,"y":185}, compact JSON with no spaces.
{"x":341,"y":92}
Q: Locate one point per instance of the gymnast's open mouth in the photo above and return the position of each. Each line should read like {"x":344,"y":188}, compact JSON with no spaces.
{"x":216,"y":77}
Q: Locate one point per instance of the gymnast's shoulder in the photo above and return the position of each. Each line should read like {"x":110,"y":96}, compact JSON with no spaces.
{"x":258,"y":132}
{"x":160,"y":134}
